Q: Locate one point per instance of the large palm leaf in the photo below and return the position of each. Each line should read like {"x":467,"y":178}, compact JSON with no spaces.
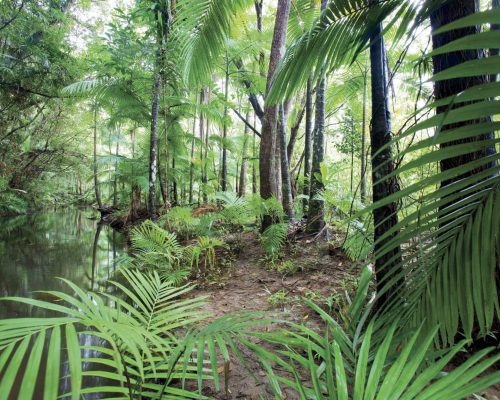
{"x":451,"y":233}
{"x":141,"y":341}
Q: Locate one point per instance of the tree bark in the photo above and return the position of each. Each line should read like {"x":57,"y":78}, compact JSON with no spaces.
{"x":96,"y":177}
{"x":385,"y":217}
{"x":224,"y":131}
{"x":287,"y":200}
{"x":315,"y":217}
{"x":153,"y":148}
{"x":308,"y":142}
{"x":244,"y":163}
{"x":363,"y":140}
{"x":191,"y":164}
{"x":268,"y":186}
{"x":451,"y":11}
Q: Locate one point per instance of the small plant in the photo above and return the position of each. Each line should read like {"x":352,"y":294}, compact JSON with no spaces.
{"x":286,"y":267}
{"x":202,"y":255}
{"x":278,"y":299}
{"x":273,"y":239}
{"x":181,"y":221}
{"x":155,"y":247}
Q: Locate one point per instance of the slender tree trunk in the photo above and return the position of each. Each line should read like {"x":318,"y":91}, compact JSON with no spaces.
{"x":244,"y":162}
{"x":315,"y":217}
{"x":254,"y":157}
{"x":352,"y":155}
{"x":385,"y":217}
{"x":224,"y":132}
{"x":115,"y":182}
{"x":191,"y":164}
{"x":153,"y":149}
{"x":174,"y":183}
{"x":205,"y":178}
{"x":447,"y":13}
{"x":96,"y":177}
{"x":164,"y":194}
{"x":268,"y":185}
{"x":363,"y":141}
{"x":308,"y":142}
{"x":202,"y":145}
{"x":285,"y":168}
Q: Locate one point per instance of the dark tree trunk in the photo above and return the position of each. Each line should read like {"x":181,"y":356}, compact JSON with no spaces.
{"x":315,"y":217}
{"x":254,"y":157}
{"x":174,"y":183}
{"x":294,"y":132}
{"x":164,"y":194}
{"x":191,"y":163}
{"x":449,"y":12}
{"x":224,"y":131}
{"x":285,"y":168}
{"x":308,"y":141}
{"x":363,"y":141}
{"x":385,"y":217}
{"x":244,"y":163}
{"x":268,"y":186}
{"x":115,"y":182}
{"x":96,"y":177}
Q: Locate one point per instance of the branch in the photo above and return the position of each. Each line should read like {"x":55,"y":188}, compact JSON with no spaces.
{"x":246,"y":122}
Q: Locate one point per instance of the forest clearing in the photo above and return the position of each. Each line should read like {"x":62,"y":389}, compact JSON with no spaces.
{"x":249,"y":199}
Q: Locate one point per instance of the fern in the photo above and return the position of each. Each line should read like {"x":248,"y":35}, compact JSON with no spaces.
{"x":273,"y":239}
{"x":155,"y":247}
{"x":133,"y":342}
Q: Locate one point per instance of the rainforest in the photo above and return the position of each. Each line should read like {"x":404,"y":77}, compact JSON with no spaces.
{"x":250,"y":199}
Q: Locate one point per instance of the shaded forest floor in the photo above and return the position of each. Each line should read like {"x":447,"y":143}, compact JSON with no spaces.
{"x":254,"y":284}
{"x":321,"y":272}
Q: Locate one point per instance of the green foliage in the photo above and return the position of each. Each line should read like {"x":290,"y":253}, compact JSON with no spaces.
{"x":278,"y":299}
{"x":202,"y":255}
{"x":273,"y":239}
{"x":181,"y":221}
{"x":144,"y":340}
{"x":359,"y":361}
{"x":449,"y":233}
{"x":155,"y":247}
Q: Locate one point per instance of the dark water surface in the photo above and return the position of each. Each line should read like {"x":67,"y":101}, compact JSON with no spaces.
{"x":37,"y":249}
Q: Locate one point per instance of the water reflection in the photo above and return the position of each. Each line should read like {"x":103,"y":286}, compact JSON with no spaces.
{"x":36,"y":249}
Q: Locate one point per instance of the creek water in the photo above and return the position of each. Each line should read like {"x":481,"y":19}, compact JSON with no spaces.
{"x":36,"y":250}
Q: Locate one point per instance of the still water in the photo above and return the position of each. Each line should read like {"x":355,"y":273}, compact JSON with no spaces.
{"x":37,"y":249}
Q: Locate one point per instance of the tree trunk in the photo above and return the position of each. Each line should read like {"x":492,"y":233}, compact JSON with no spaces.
{"x":244,"y":163}
{"x":174,"y":183}
{"x":363,"y":141}
{"x":153,"y":148}
{"x":115,"y":181}
{"x":191,"y":164}
{"x":494,"y":27}
{"x":385,"y":217}
{"x":447,"y":13}
{"x":285,"y":168}
{"x":308,"y":142}
{"x":224,"y":131}
{"x":96,"y":178}
{"x":254,"y":157}
{"x":268,"y":187}
{"x":315,"y":217}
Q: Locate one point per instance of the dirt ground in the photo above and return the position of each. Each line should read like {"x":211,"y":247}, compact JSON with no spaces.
{"x":322,"y":270}
{"x":253,"y":281}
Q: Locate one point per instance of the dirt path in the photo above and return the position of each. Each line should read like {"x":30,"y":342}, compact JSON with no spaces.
{"x":251,"y":284}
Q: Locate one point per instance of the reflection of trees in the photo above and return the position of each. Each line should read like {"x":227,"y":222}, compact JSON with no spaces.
{"x":34,"y":250}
